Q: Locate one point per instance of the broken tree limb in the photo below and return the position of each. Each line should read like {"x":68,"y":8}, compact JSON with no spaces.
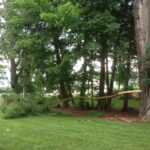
{"x":119,"y":94}
{"x":108,"y":97}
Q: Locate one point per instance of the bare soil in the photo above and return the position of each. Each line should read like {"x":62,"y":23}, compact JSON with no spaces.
{"x":131,"y":116}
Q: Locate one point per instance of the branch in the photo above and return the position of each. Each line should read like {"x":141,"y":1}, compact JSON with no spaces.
{"x":108,"y":97}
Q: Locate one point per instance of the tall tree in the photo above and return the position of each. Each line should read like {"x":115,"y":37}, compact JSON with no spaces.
{"x":142,"y":27}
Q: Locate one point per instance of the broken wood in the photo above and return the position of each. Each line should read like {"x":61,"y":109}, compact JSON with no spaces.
{"x":110,"y":96}
{"x":119,"y":94}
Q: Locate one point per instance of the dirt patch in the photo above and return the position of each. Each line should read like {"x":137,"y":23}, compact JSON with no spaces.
{"x":73,"y":112}
{"x":131,"y":116}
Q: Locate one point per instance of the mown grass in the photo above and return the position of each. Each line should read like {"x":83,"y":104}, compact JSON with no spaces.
{"x":48,"y":132}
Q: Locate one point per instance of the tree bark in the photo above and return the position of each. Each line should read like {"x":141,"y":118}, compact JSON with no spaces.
{"x":63,"y":89}
{"x":92,"y":85}
{"x":142,"y":28}
{"x":107,"y":75}
{"x":102,"y":76}
{"x":126,"y":84}
{"x":64,"y":94}
{"x":14,"y":76}
{"x":111,"y":85}
{"x":70,"y":94}
{"x":101,"y":103}
{"x":83,"y":85}
{"x":13,"y":73}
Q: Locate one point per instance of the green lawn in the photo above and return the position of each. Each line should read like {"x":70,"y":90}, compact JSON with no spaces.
{"x":68,"y":133}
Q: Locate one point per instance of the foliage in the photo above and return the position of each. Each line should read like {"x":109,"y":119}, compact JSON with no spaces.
{"x":44,"y":40}
{"x":15,"y":106}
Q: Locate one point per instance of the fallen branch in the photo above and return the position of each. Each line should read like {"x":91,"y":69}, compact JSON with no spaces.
{"x":108,"y":97}
{"x":119,"y":94}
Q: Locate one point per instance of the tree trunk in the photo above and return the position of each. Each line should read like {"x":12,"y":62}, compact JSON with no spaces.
{"x":107,"y":83}
{"x":101,"y":103}
{"x":63,"y":90}
{"x":111,"y":85}
{"x":83,"y":85}
{"x":92,"y":86}
{"x":142,"y":27}
{"x":107,"y":75}
{"x":70,"y":94}
{"x":126,"y":84}
{"x":102,"y":77}
{"x":13,"y":74}
{"x":64,"y":94}
{"x":24,"y":92}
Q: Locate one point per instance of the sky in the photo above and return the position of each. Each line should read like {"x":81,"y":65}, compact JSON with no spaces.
{"x":5,"y":82}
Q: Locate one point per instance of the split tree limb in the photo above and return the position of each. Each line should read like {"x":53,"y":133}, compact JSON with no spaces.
{"x":108,"y":97}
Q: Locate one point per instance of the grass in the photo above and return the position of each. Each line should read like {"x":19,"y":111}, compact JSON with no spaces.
{"x":67,"y":133}
{"x":118,"y":103}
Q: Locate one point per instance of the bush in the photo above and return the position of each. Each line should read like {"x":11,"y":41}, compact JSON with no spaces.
{"x":54,"y":101}
{"x":15,"y":106}
{"x":87,"y":102}
{"x":14,"y":110}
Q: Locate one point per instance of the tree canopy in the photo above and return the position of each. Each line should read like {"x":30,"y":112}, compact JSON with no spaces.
{"x":44,"y":41}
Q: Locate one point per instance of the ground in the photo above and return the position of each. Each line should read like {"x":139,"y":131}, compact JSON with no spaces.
{"x":48,"y":132}
{"x":131,"y":116}
{"x":75,"y":131}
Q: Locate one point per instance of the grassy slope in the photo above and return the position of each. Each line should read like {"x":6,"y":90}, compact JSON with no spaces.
{"x":66,"y":133}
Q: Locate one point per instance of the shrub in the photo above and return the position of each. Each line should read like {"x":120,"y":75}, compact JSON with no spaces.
{"x":13,"y":110}
{"x":54,"y":101}
{"x":15,"y":106}
{"x":87,"y":102}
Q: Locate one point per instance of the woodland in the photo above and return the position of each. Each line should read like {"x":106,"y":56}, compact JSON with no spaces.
{"x":79,"y":54}
{"x":79,"y":74}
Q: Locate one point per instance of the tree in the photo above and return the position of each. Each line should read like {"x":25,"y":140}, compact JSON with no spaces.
{"x":44,"y":39}
{"x":36,"y":42}
{"x":60,"y":22}
{"x":142,"y":27}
